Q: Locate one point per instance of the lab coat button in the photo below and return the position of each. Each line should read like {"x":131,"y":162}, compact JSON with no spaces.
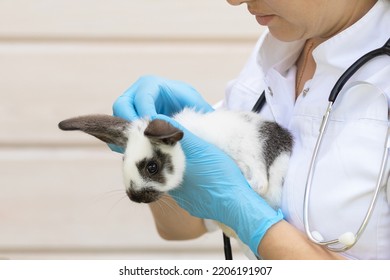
{"x":305,"y":92}
{"x":270,"y":91}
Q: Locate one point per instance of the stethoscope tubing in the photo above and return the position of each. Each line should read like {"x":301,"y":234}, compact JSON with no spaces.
{"x":344,"y":78}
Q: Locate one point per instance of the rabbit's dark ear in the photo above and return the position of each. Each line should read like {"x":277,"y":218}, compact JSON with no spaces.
{"x":109,"y":129}
{"x":162,"y":132}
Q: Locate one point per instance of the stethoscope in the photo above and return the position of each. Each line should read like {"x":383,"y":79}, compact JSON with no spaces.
{"x":347,"y":239}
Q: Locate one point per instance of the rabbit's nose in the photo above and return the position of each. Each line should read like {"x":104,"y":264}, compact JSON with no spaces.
{"x":146,"y":195}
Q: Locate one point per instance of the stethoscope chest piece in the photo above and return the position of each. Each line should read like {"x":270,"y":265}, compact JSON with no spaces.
{"x":347,"y":238}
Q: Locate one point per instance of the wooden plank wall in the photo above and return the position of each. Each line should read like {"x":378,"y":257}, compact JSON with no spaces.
{"x":61,"y":194}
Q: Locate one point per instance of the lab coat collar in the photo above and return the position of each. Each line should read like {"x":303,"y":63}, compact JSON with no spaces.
{"x":283,"y":55}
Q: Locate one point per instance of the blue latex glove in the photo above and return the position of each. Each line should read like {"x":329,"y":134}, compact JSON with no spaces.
{"x":214,"y":188}
{"x":152,"y":95}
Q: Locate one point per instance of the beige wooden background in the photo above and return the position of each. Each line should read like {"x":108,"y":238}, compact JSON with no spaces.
{"x":61,"y":193}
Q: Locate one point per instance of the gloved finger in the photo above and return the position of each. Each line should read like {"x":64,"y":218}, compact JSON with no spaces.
{"x":124,"y":108}
{"x":159,"y":96}
{"x":195,"y":100}
{"x":146,"y":91}
{"x":145,"y":101}
{"x":116,"y":148}
{"x":139,"y":100}
{"x":190,"y":97}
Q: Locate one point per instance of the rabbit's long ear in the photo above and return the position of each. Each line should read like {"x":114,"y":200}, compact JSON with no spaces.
{"x":109,"y":129}
{"x":162,"y":132}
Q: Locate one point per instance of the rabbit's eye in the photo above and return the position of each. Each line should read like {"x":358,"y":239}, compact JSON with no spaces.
{"x":152,"y":167}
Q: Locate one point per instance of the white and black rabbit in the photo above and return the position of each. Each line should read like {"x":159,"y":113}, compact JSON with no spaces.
{"x":154,"y":162}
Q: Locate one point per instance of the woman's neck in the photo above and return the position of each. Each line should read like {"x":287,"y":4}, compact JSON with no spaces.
{"x":306,"y":66}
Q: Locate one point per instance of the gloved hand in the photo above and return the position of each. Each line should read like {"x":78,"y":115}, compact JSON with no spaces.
{"x":214,"y":188}
{"x":151,"y":95}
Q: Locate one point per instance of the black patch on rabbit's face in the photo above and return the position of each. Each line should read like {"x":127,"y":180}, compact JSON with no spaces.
{"x":152,"y":169}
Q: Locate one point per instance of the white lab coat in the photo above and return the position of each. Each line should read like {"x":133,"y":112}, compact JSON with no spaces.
{"x":349,"y":160}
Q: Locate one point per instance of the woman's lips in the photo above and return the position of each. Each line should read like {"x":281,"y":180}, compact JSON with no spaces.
{"x":264,"y":19}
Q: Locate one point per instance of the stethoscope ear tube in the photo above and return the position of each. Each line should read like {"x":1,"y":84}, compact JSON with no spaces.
{"x":384,"y":50}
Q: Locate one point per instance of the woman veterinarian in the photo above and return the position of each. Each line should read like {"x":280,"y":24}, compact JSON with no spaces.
{"x":308,"y":45}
